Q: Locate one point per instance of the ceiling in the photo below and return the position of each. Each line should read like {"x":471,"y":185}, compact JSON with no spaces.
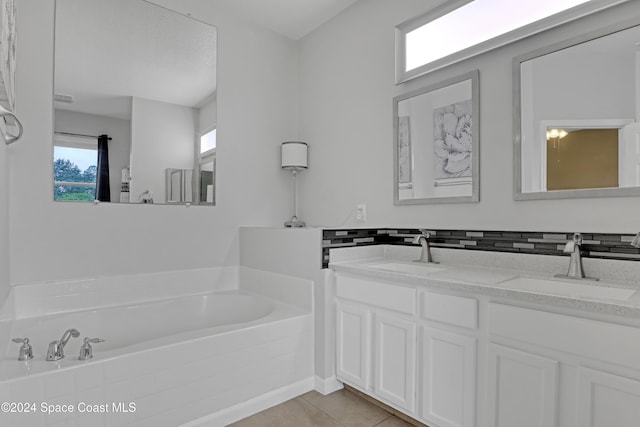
{"x":291,"y":18}
{"x":110,"y":50}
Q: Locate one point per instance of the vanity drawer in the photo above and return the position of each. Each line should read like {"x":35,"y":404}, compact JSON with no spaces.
{"x":392,"y":297}
{"x":594,"y":339}
{"x":450,"y":309}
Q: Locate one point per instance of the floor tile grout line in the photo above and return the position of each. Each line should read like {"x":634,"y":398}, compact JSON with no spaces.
{"x":390,"y":416}
{"x":326,"y":413}
{"x":320,"y":409}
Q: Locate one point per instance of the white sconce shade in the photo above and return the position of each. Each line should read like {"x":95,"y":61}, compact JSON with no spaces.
{"x":294,"y":155}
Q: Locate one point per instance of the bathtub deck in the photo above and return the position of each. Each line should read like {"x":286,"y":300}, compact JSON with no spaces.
{"x":334,"y":410}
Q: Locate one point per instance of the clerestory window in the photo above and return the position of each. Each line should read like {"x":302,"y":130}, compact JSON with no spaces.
{"x":461,"y":29}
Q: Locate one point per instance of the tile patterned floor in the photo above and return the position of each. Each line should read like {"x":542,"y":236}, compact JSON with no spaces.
{"x":339,"y":409}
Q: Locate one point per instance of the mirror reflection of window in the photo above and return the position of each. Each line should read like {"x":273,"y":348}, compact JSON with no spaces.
{"x":74,"y":168}
{"x":208,"y":142}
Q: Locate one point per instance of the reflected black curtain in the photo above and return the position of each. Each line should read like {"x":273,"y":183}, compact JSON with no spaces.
{"x":103,"y":189}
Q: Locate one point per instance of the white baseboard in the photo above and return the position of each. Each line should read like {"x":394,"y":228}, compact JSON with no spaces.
{"x":253,"y":406}
{"x":327,"y":385}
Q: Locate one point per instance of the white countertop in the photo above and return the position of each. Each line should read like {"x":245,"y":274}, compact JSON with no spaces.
{"x":604,"y":296}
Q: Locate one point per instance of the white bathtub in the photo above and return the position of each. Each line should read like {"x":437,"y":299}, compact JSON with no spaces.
{"x":189,"y":359}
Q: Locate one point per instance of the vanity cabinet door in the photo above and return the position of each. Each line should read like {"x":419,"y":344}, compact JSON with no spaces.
{"x":523,"y":389}
{"x":353,"y":345}
{"x":448,"y":387}
{"x":607,"y":400}
{"x":395,"y":361}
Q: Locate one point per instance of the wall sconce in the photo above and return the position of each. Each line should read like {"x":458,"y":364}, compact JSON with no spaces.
{"x":294,"y":158}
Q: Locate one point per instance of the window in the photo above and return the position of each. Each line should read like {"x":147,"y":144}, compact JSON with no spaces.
{"x":461,"y":29}
{"x":74,"y":168}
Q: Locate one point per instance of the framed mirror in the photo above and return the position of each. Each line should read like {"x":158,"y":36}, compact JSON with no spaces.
{"x":577,"y":117}
{"x":134,"y":97}
{"x":437,"y":142}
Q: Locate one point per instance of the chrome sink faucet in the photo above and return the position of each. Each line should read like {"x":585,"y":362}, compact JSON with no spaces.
{"x":423,"y":240}
{"x":575,"y":262}
{"x":56,"y":348}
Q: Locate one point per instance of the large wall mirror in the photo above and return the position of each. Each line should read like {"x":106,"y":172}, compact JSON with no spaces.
{"x":135,"y":104}
{"x":436,"y":143}
{"x":577,"y":117}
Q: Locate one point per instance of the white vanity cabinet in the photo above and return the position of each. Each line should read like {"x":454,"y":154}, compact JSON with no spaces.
{"x":395,"y":360}
{"x":353,"y":335}
{"x":415,"y":351}
{"x":523,"y":388}
{"x":548,"y":369}
{"x":448,"y":359}
{"x":607,"y":400}
{"x":376,"y":339}
{"x":457,"y":354}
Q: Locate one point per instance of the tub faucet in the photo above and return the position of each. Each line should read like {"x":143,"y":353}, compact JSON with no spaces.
{"x":56,"y":348}
{"x":423,"y":240}
{"x":575,"y":262}
{"x":86,"y":351}
{"x":26,"y":352}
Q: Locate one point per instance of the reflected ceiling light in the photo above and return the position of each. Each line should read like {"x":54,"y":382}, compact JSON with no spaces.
{"x":556,"y":133}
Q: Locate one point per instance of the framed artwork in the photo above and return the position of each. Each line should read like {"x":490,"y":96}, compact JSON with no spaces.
{"x":452,"y":140}
{"x":404,"y":150}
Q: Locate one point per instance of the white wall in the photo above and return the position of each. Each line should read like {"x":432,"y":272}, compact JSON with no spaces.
{"x":257,"y":110}
{"x":163,"y":136}
{"x":298,"y":253}
{"x":207,"y":116}
{"x":560,"y":80}
{"x":346,"y":91}
{"x":119,"y":131}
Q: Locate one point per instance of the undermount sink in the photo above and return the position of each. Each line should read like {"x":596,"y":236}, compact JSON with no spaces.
{"x":570,"y":289}
{"x":416,"y":269}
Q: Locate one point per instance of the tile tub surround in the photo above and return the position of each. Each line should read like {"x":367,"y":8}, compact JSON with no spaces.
{"x":595,"y":245}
